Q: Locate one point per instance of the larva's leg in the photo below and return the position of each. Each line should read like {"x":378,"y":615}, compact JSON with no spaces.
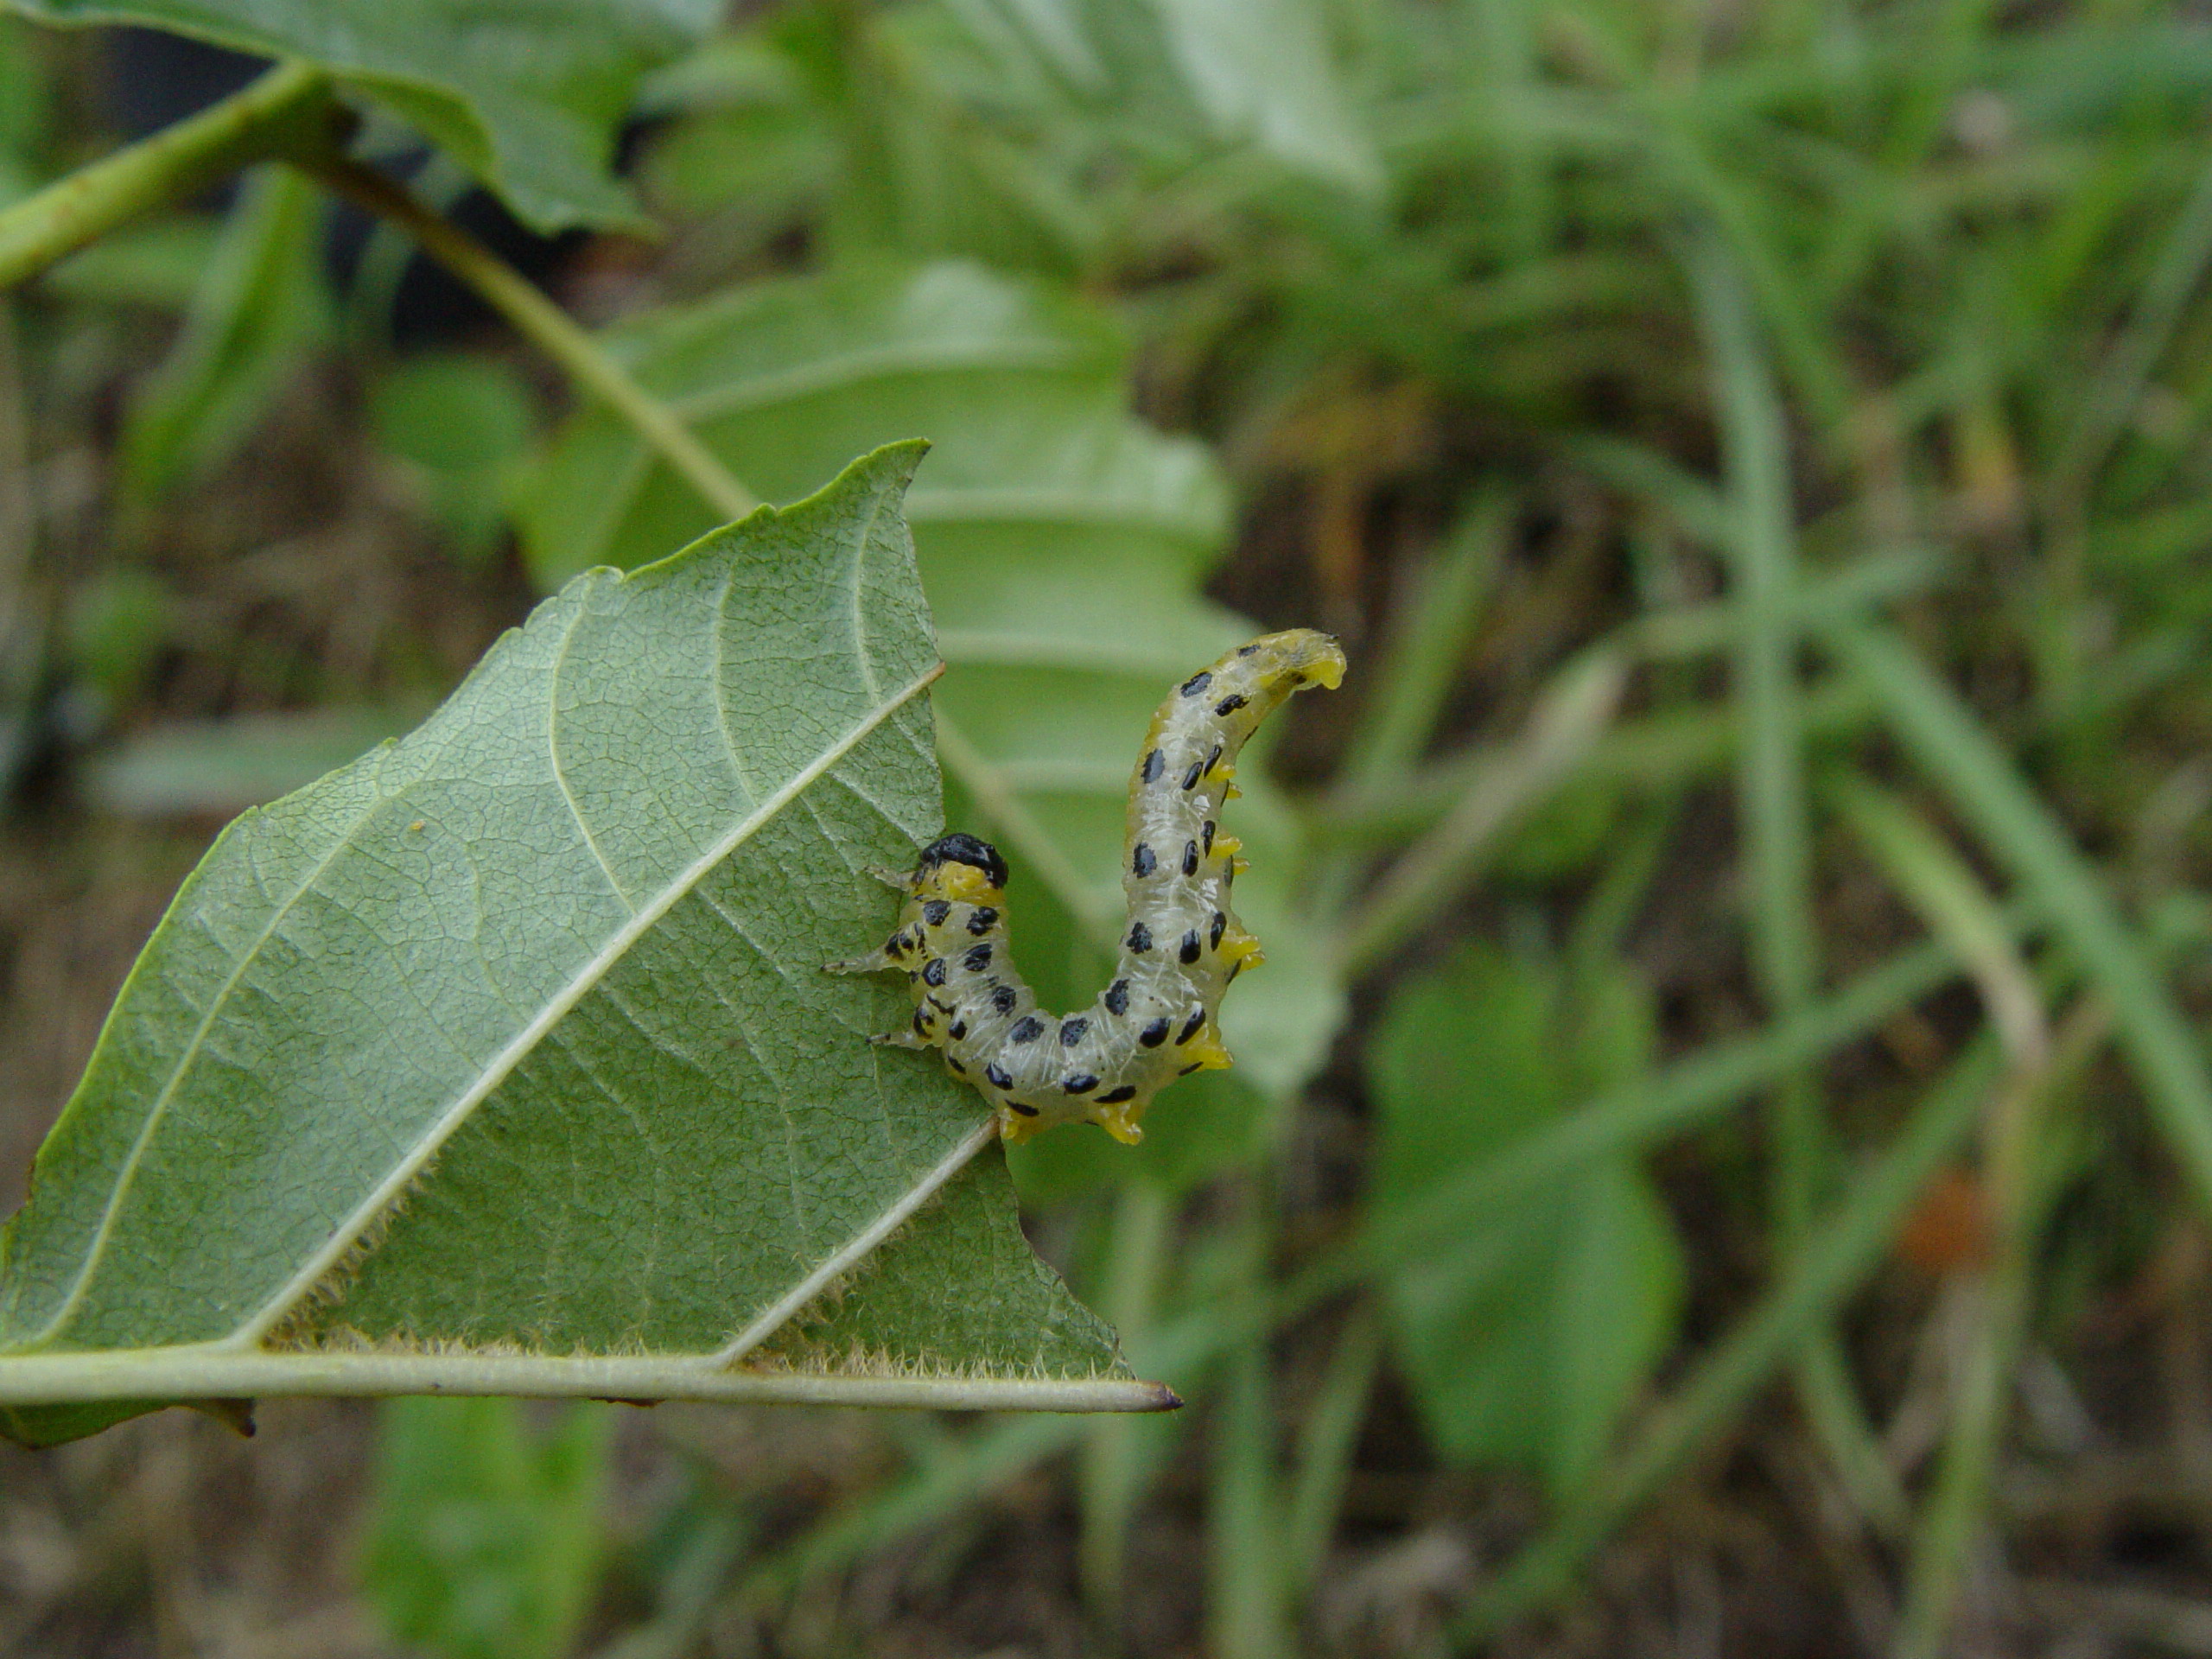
{"x":1204,"y":1052}
{"x":1014,"y":1129}
{"x":902,"y":1037}
{"x":1240,"y":951}
{"x":1117,"y":1123}
{"x":900,"y":880}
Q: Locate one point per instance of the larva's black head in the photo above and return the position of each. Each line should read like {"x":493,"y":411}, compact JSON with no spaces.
{"x":958,"y":849}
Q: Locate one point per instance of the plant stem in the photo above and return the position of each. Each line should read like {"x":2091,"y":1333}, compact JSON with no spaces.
{"x":547,"y":327}
{"x":1762,"y":551}
{"x":1246,"y":1615}
{"x":1325,"y":1446}
{"x":1761,"y":547}
{"x":2018,"y":1185}
{"x":288,"y":110}
{"x":1113,"y":1465}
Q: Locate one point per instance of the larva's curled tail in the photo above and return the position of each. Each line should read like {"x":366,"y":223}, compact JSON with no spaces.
{"x":1183,"y":944}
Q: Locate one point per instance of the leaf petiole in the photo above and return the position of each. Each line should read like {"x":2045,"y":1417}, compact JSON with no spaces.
{"x":288,"y":112}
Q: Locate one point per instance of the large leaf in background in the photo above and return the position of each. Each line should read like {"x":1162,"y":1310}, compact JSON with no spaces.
{"x":503,"y":1059}
{"x":1014,"y":132}
{"x":1061,"y":544}
{"x":1262,"y":70}
{"x":528,"y":94}
{"x":1528,"y":1339}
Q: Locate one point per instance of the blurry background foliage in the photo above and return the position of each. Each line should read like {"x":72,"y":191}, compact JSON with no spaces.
{"x":1719,"y":1152}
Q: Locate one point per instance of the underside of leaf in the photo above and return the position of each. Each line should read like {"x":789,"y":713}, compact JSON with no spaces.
{"x":508,"y":1047}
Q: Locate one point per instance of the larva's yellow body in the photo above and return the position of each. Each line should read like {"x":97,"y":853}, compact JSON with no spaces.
{"x":1181,"y":947}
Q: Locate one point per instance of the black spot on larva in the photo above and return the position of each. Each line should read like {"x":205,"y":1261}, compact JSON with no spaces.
{"x":977,"y":959}
{"x":1206,"y":835}
{"x":921,"y":1022}
{"x":1141,"y":860}
{"x":1212,"y":758}
{"x":1027,"y":1029}
{"x":1140,"y":939}
{"x":1220,"y":921}
{"x":1246,"y":650}
{"x":895,"y":946}
{"x":959,"y":1070}
{"x":1190,"y":858}
{"x":1197,"y":683}
{"x":1230,"y":705}
{"x":959,"y":1030}
{"x":942,"y":1008}
{"x":934,"y":973}
{"x":935,"y":912}
{"x":1189,"y":951}
{"x":1190,"y":1027}
{"x":983,"y":921}
{"x":1000,"y":1077}
{"x":1155,"y":764}
{"x":1155,"y":1034}
{"x":1191,"y":777}
{"x":1024,"y":1109}
{"x":1078,"y":1083}
{"x":1003,"y":999}
{"x":1115,"y":1097}
{"x":1071,"y":1031}
{"x":1234,"y":969}
{"x":1193,"y":1066}
{"x":1117,"y":997}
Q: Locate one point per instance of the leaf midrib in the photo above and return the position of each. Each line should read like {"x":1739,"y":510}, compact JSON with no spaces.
{"x":557,"y":1008}
{"x":642,"y":918}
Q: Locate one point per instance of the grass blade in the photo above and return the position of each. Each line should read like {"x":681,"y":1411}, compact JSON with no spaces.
{"x":1762,"y":548}
{"x":1439,"y":618}
{"x":1964,"y":762}
{"x":1573,"y":713}
{"x":1762,"y":551}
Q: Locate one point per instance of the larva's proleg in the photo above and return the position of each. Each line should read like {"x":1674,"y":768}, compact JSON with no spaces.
{"x":1181,"y":945}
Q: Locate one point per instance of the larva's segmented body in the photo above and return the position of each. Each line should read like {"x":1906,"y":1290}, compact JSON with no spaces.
{"x":1182,"y":945}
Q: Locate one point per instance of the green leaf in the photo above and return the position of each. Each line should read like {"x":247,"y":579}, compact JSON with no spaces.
{"x":113,"y":631}
{"x":1528,"y":1339}
{"x":485,"y":1540}
{"x":23,"y":112}
{"x":1061,"y":544}
{"x":1263,"y":71}
{"x":259,"y":306}
{"x":460,"y":426}
{"x":160,"y":264}
{"x":503,"y":1061}
{"x":528,"y":94}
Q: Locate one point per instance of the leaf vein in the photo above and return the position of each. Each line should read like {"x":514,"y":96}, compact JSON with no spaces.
{"x":557,"y":1008}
